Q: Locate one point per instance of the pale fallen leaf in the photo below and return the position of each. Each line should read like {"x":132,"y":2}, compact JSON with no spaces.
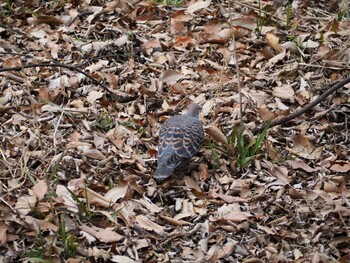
{"x":94,"y":95}
{"x":170,"y":77}
{"x":106,"y":235}
{"x":203,"y":172}
{"x":93,"y":153}
{"x":191,"y":183}
{"x":174,"y":221}
{"x":146,"y":223}
{"x":279,"y":57}
{"x":216,"y":134}
{"x":25,"y":204}
{"x":147,"y":203}
{"x":68,"y":200}
{"x":40,"y":225}
{"x":298,"y":164}
{"x":96,"y":199}
{"x":273,"y":41}
{"x":232,"y":213}
{"x":283,"y":92}
{"x":40,"y":189}
{"x":117,"y":192}
{"x":310,"y":44}
{"x":3,"y":234}
{"x":266,"y":229}
{"x":124,"y":259}
{"x":198,"y":6}
{"x":341,"y":167}
{"x":229,"y":199}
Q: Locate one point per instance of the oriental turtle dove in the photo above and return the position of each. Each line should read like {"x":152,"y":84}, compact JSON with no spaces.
{"x":180,"y":138}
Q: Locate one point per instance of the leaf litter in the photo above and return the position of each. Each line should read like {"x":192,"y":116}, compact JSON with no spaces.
{"x":77,"y":159}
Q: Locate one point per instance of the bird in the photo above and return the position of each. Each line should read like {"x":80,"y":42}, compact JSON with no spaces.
{"x":180,"y":138}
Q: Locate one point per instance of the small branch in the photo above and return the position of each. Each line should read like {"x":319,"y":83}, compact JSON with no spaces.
{"x":60,"y":65}
{"x":308,"y":106}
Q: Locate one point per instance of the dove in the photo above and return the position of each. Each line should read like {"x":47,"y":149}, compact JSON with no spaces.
{"x":180,"y":138}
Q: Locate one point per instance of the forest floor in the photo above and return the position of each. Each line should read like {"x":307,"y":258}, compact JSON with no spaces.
{"x":85,"y":86}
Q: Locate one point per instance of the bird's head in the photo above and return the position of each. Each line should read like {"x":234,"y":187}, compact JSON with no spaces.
{"x":193,"y":110}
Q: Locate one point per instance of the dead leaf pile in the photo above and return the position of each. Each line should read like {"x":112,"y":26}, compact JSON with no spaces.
{"x":91,"y":82}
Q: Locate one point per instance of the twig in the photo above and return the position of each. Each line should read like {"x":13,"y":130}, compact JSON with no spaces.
{"x":60,"y":65}
{"x":308,"y":106}
{"x":323,"y":66}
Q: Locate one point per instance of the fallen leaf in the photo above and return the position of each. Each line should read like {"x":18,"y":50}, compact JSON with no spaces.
{"x":146,"y":223}
{"x":104,"y":235}
{"x":40,"y":189}
{"x":197,"y":6}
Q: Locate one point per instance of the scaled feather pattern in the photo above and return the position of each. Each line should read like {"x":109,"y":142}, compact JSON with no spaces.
{"x":180,"y":138}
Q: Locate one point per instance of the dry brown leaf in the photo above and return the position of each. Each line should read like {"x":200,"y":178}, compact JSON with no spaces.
{"x":40,"y":189}
{"x":197,"y":6}
{"x":146,"y":223}
{"x":191,"y":183}
{"x":147,"y":203}
{"x":299,"y":164}
{"x":279,"y":57}
{"x":96,"y":198}
{"x":295,"y":194}
{"x":94,"y":95}
{"x":124,"y":259}
{"x":331,"y":187}
{"x":229,"y":199}
{"x":3,"y":233}
{"x":25,"y":204}
{"x":170,"y":77}
{"x":303,"y":148}
{"x":40,"y":225}
{"x":273,"y":41}
{"x":203,"y":172}
{"x":284,"y":92}
{"x":117,"y":192}
{"x":341,"y":167}
{"x":104,"y":235}
{"x":216,"y":134}
{"x":174,"y":221}
{"x":63,"y":193}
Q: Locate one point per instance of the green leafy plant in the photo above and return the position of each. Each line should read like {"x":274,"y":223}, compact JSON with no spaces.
{"x":293,"y":38}
{"x":169,"y":2}
{"x":83,"y":210}
{"x":246,"y":151}
{"x":68,"y":241}
{"x":104,"y":121}
{"x":39,"y":252}
{"x":288,"y":15}
{"x":215,"y":155}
